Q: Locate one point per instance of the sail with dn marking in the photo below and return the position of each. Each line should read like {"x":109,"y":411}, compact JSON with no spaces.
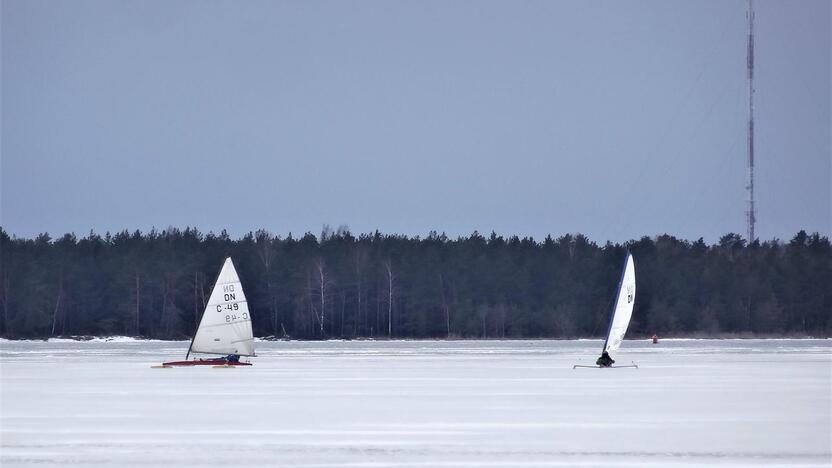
{"x":623,"y":309}
{"x":225,"y":327}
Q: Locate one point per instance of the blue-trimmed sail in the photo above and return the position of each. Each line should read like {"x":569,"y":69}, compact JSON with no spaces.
{"x":623,"y":309}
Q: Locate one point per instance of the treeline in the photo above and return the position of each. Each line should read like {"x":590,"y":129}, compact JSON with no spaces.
{"x":337,"y":285}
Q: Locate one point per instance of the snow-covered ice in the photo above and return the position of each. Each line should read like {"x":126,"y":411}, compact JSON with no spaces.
{"x":419,"y":404}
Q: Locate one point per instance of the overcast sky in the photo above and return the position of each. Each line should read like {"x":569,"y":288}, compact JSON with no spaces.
{"x":614,"y":119}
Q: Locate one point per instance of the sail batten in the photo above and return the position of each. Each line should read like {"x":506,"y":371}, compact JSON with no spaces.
{"x":218,"y":324}
{"x":225,"y":327}
{"x":623,"y":309}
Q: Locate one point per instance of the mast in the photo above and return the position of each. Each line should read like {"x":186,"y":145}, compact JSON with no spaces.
{"x":615,"y":304}
{"x":750,"y":213}
{"x":216,"y":280}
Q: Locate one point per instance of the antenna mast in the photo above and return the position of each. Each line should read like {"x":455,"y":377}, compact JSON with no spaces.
{"x":750,"y":214}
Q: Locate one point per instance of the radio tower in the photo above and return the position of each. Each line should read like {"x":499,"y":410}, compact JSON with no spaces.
{"x":750,"y":214}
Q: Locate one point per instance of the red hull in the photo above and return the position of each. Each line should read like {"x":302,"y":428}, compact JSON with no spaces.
{"x":206,"y":362}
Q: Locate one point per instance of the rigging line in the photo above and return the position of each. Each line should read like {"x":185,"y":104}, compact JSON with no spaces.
{"x":672,"y":162}
{"x":600,"y":315}
{"x":727,"y":155}
{"x":723,"y":165}
{"x":679,"y":108}
{"x":728,"y":210}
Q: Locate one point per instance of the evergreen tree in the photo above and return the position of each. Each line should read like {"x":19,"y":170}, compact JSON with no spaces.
{"x":156,"y":284}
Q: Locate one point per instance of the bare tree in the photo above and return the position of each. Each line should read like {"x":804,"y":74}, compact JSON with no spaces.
{"x":170,"y":311}
{"x":321,"y":290}
{"x":58,"y":301}
{"x":378,"y":312}
{"x":391,"y":278}
{"x":500,"y":321}
{"x":360,"y":257}
{"x":266,"y":253}
{"x":196,"y":301}
{"x":482,"y":311}
{"x":445,"y":307}
{"x":138,"y":302}
{"x":343,"y":307}
{"x":165,"y":292}
{"x":5,"y":289}
{"x":326,"y":233}
{"x":310,"y":300}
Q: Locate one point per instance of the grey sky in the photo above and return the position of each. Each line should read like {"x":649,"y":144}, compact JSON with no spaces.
{"x":614,"y":119}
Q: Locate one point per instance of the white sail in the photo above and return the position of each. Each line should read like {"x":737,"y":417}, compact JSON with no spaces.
{"x":623,"y":309}
{"x":225,"y":327}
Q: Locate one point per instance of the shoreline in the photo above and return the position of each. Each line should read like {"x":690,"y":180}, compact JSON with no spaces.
{"x":127,"y":339}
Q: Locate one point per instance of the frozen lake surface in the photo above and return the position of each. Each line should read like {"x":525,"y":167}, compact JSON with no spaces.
{"x":419,"y":404}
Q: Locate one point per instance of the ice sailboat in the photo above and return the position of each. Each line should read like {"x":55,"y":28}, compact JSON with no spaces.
{"x":225,"y":327}
{"x":622,"y":311}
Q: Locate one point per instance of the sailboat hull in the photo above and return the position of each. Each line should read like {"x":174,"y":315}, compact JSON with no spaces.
{"x":204,"y":362}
